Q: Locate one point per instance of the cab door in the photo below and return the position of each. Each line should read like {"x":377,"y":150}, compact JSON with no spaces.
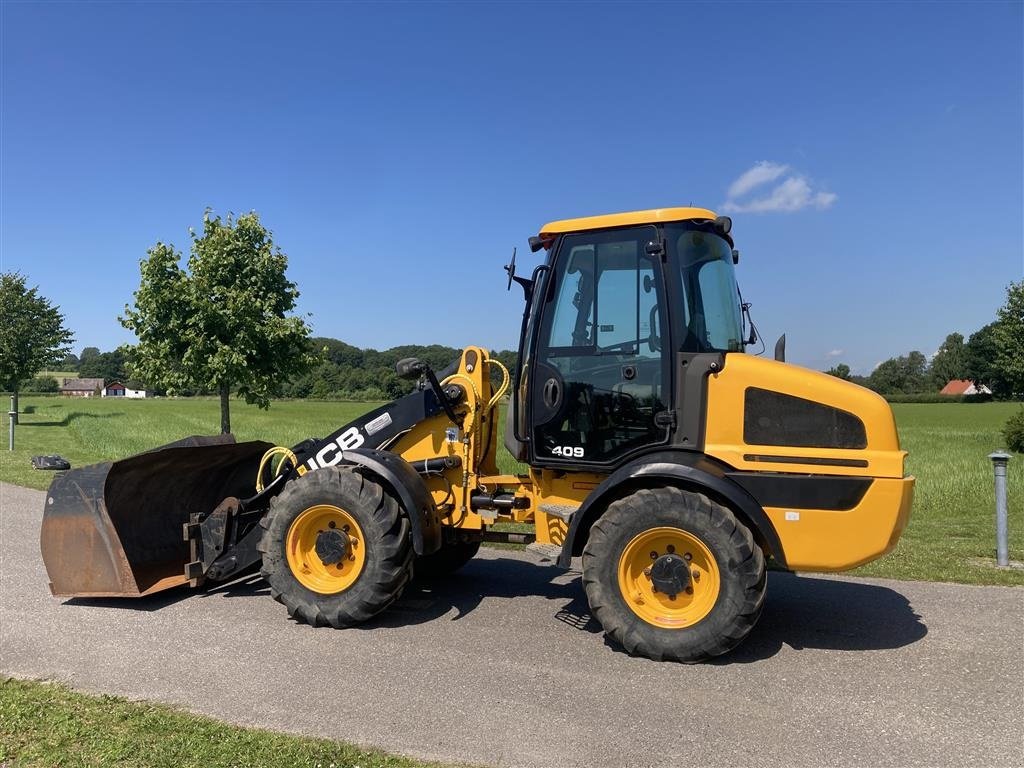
{"x":601,"y":374}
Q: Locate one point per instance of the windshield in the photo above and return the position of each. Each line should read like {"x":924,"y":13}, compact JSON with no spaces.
{"x":711,"y":306}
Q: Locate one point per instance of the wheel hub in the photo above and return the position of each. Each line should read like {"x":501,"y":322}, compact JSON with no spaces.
{"x":332,"y":546}
{"x":670,"y":574}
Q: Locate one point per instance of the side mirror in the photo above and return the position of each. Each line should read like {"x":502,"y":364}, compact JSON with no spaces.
{"x":410,"y":368}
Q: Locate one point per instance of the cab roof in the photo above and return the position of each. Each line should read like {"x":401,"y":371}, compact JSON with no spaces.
{"x":651,"y":216}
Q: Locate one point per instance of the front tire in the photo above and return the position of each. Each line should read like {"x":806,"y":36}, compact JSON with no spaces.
{"x":710,"y":571}
{"x":336,"y":548}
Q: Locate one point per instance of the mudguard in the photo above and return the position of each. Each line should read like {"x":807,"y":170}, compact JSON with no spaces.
{"x":412,"y":493}
{"x":686,"y":468}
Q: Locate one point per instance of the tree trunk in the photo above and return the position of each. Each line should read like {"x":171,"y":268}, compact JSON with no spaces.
{"x":14,"y":406}
{"x":225,"y":415}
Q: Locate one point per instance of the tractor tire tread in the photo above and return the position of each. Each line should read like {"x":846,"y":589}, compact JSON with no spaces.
{"x":741,"y":565}
{"x":385,"y":528}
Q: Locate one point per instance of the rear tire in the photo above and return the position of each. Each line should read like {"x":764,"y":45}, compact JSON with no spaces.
{"x":368,"y":553}
{"x":447,"y":560}
{"x":724,"y":575}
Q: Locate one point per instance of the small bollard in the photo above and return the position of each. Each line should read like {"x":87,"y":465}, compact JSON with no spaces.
{"x":999,"y":462}
{"x":12,"y":417}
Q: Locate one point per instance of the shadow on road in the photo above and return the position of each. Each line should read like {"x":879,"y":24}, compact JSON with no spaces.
{"x":802,"y":612}
{"x":809,"y":612}
{"x":145,"y":604}
{"x":463,"y":591}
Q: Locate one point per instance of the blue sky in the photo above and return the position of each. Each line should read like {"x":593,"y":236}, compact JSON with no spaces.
{"x":870,"y":154}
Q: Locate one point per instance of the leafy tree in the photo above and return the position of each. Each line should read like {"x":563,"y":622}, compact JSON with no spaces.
{"x":32,"y":333}
{"x":41,"y":384}
{"x":950,"y":362}
{"x":841,"y":371}
{"x":901,"y":375}
{"x":980,"y":360}
{"x":69,"y":363}
{"x":88,"y":354}
{"x":221,"y":324}
{"x":109,"y":366}
{"x":1009,"y":339}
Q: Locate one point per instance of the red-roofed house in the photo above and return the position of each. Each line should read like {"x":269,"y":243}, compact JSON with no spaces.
{"x":964,"y":387}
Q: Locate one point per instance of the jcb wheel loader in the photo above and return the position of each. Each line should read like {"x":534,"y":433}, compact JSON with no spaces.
{"x":672,"y":461}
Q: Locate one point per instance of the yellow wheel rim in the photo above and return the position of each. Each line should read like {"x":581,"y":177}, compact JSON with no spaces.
{"x":687,"y":607}
{"x":305,"y":563}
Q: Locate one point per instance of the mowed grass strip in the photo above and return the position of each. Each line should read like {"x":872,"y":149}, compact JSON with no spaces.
{"x":951,"y":536}
{"x":43,"y":724}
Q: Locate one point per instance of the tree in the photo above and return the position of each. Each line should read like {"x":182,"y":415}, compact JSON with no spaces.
{"x":950,"y":362}
{"x":88,"y":355}
{"x":221,"y":324}
{"x":32,"y":333}
{"x":109,"y":366}
{"x":901,"y":375}
{"x":1009,"y":339}
{"x":980,"y":360}
{"x":841,"y":371}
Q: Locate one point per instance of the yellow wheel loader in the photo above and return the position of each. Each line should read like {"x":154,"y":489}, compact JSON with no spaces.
{"x":672,"y":462}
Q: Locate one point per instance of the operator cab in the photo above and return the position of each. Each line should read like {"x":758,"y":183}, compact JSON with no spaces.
{"x":623,"y":308}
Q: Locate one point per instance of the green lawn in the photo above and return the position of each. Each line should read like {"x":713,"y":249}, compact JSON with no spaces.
{"x":48,"y":725}
{"x":950,"y":537}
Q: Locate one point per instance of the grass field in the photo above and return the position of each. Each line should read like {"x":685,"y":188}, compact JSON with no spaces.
{"x":48,"y":725}
{"x":950,"y":537}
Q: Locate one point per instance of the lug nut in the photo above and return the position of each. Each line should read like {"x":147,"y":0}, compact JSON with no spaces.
{"x":696,"y":575}
{"x":647,"y":571}
{"x":687,"y":557}
{"x":344,"y":528}
{"x":671,"y":549}
{"x":689,"y":590}
{"x":332,"y":524}
{"x":671,"y":597}
{"x":654,"y":555}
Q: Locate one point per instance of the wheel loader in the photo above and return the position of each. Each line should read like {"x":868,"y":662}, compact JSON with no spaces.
{"x":672,"y":462}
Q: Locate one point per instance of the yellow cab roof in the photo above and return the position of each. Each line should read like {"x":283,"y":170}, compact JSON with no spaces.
{"x":652,"y":216}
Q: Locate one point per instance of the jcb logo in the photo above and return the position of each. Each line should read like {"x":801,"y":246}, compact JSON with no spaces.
{"x":331,"y":453}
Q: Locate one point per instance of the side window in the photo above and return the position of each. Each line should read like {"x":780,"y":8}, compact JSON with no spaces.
{"x":617,"y":309}
{"x":716,"y":288}
{"x":572,"y":323}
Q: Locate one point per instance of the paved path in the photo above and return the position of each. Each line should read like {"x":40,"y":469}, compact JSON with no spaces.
{"x":503,"y":666}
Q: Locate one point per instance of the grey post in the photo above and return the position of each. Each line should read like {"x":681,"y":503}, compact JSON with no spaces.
{"x":999,"y":462}
{"x":12,"y":417}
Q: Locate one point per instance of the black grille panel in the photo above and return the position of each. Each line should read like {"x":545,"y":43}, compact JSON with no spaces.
{"x":772,"y":418}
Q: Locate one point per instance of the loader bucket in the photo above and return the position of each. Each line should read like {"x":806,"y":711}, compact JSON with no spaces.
{"x":115,"y":529}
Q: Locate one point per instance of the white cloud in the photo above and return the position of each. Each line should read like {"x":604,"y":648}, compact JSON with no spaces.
{"x":793,"y":193}
{"x":762,"y":172}
{"x":834,"y":353}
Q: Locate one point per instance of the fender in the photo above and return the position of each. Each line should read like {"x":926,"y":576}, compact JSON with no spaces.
{"x":688,"y":468}
{"x":412,"y":493}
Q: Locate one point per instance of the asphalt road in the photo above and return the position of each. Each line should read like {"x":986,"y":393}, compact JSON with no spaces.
{"x":502,"y":666}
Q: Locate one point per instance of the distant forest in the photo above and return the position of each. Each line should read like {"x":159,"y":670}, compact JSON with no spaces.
{"x":344,"y":372}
